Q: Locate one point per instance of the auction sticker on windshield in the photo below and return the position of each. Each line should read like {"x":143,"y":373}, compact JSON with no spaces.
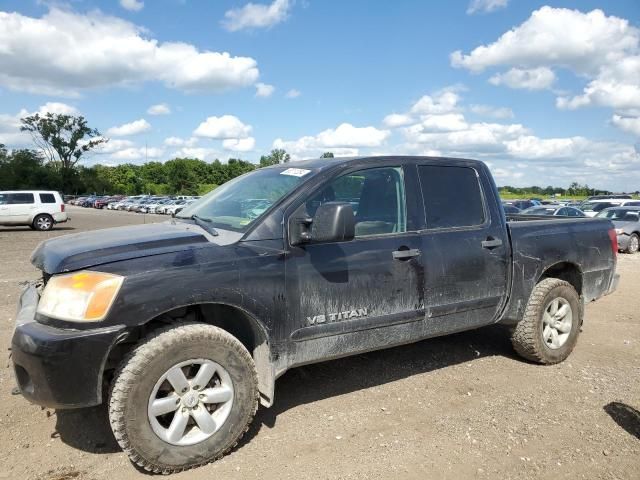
{"x":295,"y":172}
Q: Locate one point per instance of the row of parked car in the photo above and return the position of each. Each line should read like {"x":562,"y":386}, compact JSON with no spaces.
{"x":166,"y":205}
{"x":622,"y":210}
{"x":587,"y":208}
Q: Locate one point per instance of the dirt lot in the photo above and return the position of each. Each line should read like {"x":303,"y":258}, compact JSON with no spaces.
{"x":456,"y":407}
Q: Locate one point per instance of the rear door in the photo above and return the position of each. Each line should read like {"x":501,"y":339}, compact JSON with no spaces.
{"x":465,"y":250}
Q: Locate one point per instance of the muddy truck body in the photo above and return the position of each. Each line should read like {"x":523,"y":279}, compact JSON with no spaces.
{"x":183,"y":327}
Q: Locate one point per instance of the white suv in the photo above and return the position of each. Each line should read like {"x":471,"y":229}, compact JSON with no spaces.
{"x":39,"y":209}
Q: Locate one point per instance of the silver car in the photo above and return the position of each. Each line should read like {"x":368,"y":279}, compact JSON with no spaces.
{"x":626,"y":221}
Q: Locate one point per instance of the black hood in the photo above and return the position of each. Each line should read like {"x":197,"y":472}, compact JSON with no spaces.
{"x":88,"y":249}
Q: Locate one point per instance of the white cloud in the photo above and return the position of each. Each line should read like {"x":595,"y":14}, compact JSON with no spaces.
{"x":485,"y":6}
{"x":224,"y":127}
{"x":264,"y":90}
{"x":346,"y":135}
{"x":114,"y":145}
{"x":603,"y":49}
{"x":203,"y":153}
{"x":132,"y":128}
{"x":10,"y":134}
{"x":58,"y":108}
{"x":445,"y":122}
{"x":239,"y":144}
{"x":137,"y":153}
{"x":293,"y":93}
{"x":257,"y":15}
{"x":443,"y":101}
{"x":395,"y":120}
{"x":64,"y":53}
{"x":489,"y":111}
{"x":179,"y":142}
{"x":532,"y":147}
{"x":159,"y":109}
{"x":344,"y":140}
{"x":628,"y":124}
{"x":132,"y":5}
{"x":531,"y":79}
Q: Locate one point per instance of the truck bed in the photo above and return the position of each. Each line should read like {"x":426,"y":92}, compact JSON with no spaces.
{"x":543,"y":243}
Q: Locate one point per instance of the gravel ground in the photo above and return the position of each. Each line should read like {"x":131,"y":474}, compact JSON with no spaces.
{"x":462,"y":406}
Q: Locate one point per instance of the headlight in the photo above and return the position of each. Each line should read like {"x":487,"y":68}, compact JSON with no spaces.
{"x":82,"y":296}
{"x":619,"y":231}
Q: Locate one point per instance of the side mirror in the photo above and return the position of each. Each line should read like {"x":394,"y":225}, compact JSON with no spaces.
{"x":333,"y":222}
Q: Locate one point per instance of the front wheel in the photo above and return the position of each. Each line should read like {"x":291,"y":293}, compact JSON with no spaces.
{"x":183,"y":398}
{"x":551,"y":324}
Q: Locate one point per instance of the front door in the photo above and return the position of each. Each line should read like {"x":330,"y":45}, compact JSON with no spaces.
{"x":342,"y":297}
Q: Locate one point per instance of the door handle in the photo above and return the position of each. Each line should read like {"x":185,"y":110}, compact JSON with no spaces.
{"x":405,"y":254}
{"x":491,"y":242}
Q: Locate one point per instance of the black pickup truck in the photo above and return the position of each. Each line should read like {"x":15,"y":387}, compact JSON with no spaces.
{"x":183,"y":327}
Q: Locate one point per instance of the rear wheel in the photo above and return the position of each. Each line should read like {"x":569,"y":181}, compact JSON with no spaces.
{"x":42,"y":222}
{"x":183,"y":398}
{"x":549,"y":330}
{"x":634,"y":243}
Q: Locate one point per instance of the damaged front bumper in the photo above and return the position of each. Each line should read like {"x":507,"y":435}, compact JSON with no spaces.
{"x":58,"y":367}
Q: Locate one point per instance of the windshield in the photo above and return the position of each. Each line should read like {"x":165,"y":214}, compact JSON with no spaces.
{"x":239,"y":202}
{"x":624,"y":214}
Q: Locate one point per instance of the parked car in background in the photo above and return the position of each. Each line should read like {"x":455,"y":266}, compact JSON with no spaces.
{"x":626,"y":221}
{"x":510,"y":209}
{"x":39,"y":209}
{"x":592,"y":208}
{"x":178,"y":204}
{"x":104,"y":201}
{"x":554,"y":210}
{"x":520,"y":204}
{"x":609,"y":197}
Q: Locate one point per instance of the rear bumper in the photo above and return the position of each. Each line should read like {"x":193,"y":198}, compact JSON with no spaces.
{"x":58,"y":368}
{"x":60,"y":217}
{"x":614,"y":283}
{"x":623,"y":242}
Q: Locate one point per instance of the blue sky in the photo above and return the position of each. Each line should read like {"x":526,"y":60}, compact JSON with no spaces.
{"x":556,"y":100}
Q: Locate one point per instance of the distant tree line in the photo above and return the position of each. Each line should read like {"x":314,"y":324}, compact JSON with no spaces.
{"x":574,"y":190}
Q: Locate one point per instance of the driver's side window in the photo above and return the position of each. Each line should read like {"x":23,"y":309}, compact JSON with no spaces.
{"x":377,"y":196}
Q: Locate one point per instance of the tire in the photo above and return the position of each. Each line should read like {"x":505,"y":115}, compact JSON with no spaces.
{"x":634,"y":244}
{"x":532,"y":339}
{"x":136,"y":385}
{"x":42,"y":222}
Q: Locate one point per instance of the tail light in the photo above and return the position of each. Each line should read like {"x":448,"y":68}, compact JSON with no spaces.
{"x":614,"y":241}
{"x":62,"y":207}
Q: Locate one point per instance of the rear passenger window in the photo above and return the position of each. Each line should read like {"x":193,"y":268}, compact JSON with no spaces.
{"x":452,"y":196}
{"x":20,"y":198}
{"x":47,"y":198}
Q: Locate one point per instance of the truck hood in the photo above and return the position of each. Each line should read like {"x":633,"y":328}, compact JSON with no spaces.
{"x":88,"y":249}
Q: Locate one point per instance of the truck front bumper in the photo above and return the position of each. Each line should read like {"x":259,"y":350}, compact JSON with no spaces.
{"x":58,"y":368}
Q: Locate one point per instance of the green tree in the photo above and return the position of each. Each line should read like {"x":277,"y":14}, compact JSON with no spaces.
{"x":63,"y":140}
{"x":277,"y":155}
{"x":327,"y":155}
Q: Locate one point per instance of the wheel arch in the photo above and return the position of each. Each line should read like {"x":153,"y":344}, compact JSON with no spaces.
{"x":237,"y":321}
{"x":567,"y":271}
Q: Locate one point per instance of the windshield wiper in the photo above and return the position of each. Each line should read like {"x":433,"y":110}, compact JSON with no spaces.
{"x":204,"y":223}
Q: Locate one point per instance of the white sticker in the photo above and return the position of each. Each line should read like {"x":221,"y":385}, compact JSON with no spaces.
{"x":295,"y":172}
